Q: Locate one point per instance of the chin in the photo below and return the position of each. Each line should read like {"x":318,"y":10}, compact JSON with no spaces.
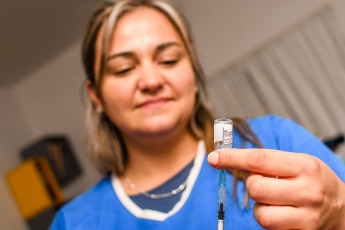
{"x":160,"y":126}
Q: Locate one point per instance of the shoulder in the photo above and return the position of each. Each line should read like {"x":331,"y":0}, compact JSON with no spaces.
{"x":279,"y":129}
{"x":91,"y":197}
{"x":279,"y":133}
{"x":284,"y":134}
{"x":271,"y":121}
{"x":81,"y":210}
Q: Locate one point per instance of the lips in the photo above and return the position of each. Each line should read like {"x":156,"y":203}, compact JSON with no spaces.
{"x":153,"y":103}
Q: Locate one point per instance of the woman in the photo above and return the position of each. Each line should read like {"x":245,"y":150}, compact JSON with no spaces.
{"x":150,"y":130}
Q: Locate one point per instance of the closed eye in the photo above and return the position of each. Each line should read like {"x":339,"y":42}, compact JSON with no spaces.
{"x":124,"y":71}
{"x":169,"y":62}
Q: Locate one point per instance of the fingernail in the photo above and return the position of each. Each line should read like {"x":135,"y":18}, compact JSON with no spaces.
{"x":213,"y":158}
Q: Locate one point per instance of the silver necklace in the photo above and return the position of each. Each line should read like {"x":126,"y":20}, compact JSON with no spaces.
{"x":156,"y":196}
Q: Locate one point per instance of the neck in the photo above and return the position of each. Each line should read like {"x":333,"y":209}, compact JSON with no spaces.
{"x":150,"y":165}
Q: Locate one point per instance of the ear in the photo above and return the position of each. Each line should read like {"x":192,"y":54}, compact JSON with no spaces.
{"x":93,"y":96}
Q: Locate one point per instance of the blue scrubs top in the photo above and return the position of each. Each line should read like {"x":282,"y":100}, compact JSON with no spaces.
{"x":105,"y":206}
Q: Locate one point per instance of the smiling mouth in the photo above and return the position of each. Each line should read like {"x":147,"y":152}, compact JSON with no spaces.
{"x":153,"y":104}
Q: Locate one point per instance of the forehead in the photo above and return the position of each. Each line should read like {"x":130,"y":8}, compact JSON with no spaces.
{"x":143,"y":25}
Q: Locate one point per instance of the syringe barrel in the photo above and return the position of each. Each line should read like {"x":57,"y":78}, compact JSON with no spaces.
{"x":221,"y":198}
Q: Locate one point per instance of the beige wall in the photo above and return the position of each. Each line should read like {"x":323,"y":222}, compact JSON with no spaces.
{"x":14,"y":132}
{"x":227,"y":30}
{"x":52,"y":99}
{"x":48,"y":101}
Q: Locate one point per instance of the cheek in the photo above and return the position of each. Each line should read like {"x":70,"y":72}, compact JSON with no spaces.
{"x":185,"y":83}
{"x":117,"y":96}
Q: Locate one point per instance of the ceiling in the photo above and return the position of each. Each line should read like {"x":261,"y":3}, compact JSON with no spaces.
{"x":32,"y":32}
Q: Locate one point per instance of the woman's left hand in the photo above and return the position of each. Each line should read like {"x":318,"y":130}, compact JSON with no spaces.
{"x":291,"y":190}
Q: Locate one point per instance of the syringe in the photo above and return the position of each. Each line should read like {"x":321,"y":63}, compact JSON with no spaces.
{"x":222,"y":139}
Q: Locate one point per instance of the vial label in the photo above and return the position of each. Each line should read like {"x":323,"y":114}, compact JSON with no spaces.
{"x":227,"y":137}
{"x":223,"y":133}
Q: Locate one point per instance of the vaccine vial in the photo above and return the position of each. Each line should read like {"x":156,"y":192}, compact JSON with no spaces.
{"x":223,"y":133}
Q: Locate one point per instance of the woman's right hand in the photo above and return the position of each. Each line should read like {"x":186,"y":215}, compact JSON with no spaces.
{"x":291,"y":190}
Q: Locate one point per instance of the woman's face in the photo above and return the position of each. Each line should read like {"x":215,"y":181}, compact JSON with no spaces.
{"x":149,"y":84}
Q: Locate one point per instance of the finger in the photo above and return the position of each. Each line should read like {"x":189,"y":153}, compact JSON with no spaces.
{"x":272,"y":191}
{"x":264,"y":161}
{"x":281,"y":217}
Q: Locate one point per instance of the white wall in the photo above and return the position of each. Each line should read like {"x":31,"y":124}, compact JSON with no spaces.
{"x":48,"y":101}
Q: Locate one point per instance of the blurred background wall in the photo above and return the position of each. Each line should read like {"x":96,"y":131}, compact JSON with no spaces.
{"x":40,"y":93}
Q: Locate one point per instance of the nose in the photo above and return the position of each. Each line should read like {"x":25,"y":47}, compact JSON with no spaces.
{"x":151,"y":79}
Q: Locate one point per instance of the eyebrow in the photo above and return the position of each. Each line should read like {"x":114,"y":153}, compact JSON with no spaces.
{"x":122,"y":54}
{"x":166,"y":45}
{"x":131,"y":54}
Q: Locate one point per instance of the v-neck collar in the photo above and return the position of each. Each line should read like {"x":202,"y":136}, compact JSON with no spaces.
{"x":153,"y":214}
